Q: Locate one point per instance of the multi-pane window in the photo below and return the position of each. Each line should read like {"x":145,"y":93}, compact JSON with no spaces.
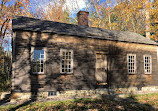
{"x":38,"y":61}
{"x":147,"y":64}
{"x":131,"y":63}
{"x":66,"y":61}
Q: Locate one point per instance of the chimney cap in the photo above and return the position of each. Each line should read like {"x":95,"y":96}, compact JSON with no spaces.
{"x":82,"y":12}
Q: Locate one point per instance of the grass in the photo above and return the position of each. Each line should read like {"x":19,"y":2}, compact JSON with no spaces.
{"x":151,"y":99}
{"x":143,"y":102}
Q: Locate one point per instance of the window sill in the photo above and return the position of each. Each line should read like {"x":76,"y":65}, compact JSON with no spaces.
{"x":37,"y":73}
{"x":147,"y":73}
{"x":131,"y":73}
{"x":67,"y":73}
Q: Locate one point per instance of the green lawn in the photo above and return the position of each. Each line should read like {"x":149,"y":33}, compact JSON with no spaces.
{"x":145,"y":102}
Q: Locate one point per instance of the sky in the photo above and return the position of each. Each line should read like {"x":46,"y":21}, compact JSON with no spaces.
{"x":75,"y":4}
{"x":72,"y":5}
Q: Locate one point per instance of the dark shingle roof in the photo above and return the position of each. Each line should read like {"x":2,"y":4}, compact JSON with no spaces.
{"x":32,"y":24}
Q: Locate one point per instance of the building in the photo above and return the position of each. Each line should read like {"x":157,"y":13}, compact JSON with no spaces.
{"x":51,"y":56}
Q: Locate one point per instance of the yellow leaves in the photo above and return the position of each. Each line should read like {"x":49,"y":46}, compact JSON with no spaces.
{"x":154,"y":37}
{"x":148,"y":5}
{"x":131,"y":15}
{"x":25,"y":1}
{"x":127,"y":20}
{"x":20,"y":4}
{"x":95,"y":22}
{"x":139,"y":7}
{"x":10,"y":8}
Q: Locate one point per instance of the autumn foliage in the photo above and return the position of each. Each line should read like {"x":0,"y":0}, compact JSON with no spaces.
{"x":126,"y":15}
{"x":8,"y":8}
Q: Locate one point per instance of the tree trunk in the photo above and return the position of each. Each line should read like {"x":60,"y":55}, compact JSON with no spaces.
{"x":147,"y":26}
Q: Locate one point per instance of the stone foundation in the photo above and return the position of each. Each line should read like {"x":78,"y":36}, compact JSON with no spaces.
{"x":62,"y":94}
{"x":72,"y":94}
{"x":135,"y":90}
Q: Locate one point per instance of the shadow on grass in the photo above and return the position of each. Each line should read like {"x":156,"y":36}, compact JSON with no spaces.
{"x":105,"y":103}
{"x":113,"y":103}
{"x":5,"y":100}
{"x":21,"y":105}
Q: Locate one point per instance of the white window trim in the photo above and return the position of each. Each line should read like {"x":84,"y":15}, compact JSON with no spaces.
{"x":134,"y":64}
{"x":61,"y":50}
{"x":44,"y":68}
{"x":150,"y":64}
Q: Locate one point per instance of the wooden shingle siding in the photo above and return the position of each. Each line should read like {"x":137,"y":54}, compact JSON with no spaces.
{"x":84,"y":63}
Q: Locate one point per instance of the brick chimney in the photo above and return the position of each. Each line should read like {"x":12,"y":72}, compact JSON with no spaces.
{"x":82,"y":17}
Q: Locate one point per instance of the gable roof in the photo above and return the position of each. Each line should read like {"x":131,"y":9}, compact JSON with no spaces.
{"x":32,"y":24}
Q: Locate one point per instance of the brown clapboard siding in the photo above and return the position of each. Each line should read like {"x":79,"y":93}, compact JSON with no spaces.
{"x":84,"y":73}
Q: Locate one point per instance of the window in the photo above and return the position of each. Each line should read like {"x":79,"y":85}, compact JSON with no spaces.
{"x":66,"y":61}
{"x":147,"y":64}
{"x":38,"y":61}
{"x":52,"y":93}
{"x":131,"y":63}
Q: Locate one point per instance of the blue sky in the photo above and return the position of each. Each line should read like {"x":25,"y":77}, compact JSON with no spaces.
{"x":73,"y":5}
